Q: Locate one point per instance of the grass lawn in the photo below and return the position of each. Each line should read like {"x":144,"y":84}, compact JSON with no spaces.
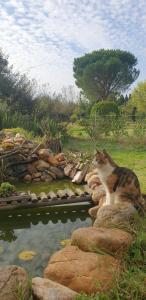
{"x":128,"y":155}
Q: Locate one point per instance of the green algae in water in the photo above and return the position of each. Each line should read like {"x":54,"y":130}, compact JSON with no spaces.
{"x":46,"y":186}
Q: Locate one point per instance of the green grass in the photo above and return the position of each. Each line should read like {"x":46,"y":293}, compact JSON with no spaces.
{"x":128,"y":155}
{"x":76,"y":130}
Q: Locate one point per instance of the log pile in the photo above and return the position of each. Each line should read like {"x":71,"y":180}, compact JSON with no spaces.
{"x":25,"y":160}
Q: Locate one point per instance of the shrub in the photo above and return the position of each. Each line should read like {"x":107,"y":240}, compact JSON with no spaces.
{"x":6,"y":189}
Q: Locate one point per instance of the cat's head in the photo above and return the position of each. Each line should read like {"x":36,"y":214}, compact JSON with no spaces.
{"x":102,"y":159}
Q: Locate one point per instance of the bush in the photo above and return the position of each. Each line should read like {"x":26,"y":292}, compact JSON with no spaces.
{"x":105,"y":108}
{"x":6,"y":189}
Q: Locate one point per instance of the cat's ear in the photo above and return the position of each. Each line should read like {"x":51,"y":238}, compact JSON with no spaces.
{"x":105,"y":153}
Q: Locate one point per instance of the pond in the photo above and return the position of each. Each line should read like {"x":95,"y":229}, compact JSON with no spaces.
{"x":39,"y":230}
{"x":46,"y":187}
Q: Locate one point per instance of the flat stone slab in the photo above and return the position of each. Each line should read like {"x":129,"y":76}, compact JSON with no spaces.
{"x":45,"y":289}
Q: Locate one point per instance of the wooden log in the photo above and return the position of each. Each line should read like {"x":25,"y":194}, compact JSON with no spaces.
{"x":61,"y":194}
{"x":43,"y":197}
{"x":69,"y":193}
{"x":77,"y":177}
{"x":52,"y":195}
{"x":79,"y":192}
{"x":80,"y":175}
{"x":33,"y":197}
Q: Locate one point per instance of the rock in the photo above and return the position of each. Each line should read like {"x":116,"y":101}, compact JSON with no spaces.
{"x":94,"y":181}
{"x":37,"y":179}
{"x":98,"y":193}
{"x":20,"y":169}
{"x":48,"y":178}
{"x":44,"y":154}
{"x":14,"y":282}
{"x":27,"y":178}
{"x":53,"y":175}
{"x":41,"y":165}
{"x":93,"y":211}
{"x":59,"y":173}
{"x":31,"y":168}
{"x":60,"y":157}
{"x":19,"y":139}
{"x":53,"y":161}
{"x":68,"y":169}
{"x":112,"y":241}
{"x":122,"y":216}
{"x":7,"y":145}
{"x":45,"y":289}
{"x":91,"y":173}
{"x":36,"y":175}
{"x":82,"y":271}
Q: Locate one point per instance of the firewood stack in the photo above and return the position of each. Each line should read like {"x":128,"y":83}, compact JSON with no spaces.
{"x":24,"y":160}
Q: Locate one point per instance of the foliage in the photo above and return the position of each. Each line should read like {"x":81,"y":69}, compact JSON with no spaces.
{"x":105,"y":108}
{"x":15,"y":88}
{"x":58,"y":107}
{"x":106,"y":125}
{"x":105,"y":73}
{"x":82,"y":109}
{"x":138,"y":99}
{"x":53,"y":129}
{"x":6,"y":189}
{"x":139,"y":129}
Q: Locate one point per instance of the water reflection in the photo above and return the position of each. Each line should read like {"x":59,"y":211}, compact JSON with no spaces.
{"x":39,"y":230}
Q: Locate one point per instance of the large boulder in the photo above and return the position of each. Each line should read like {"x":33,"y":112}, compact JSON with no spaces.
{"x":46,"y":155}
{"x":58,"y":172}
{"x":123,"y":216}
{"x":94,"y":181}
{"x":14,"y":282}
{"x":82,"y":271}
{"x":41,"y":165}
{"x":27,"y":178}
{"x":45,"y":289}
{"x":113,"y":241}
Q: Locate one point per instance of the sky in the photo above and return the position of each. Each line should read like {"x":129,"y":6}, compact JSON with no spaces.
{"x":42,"y":37}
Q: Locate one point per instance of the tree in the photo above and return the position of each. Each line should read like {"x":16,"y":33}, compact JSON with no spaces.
{"x":105,"y":73}
{"x":16,"y":89}
{"x":137,"y":100}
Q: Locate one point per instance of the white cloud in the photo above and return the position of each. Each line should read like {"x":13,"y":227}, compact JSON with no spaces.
{"x":42,"y":37}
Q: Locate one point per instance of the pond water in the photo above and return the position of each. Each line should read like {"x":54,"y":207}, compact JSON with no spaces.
{"x":46,"y":187}
{"x":39,"y":230}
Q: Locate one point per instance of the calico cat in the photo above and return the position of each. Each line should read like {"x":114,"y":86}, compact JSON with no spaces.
{"x":120,"y":183}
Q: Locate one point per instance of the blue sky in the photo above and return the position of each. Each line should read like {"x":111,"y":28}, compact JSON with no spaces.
{"x":42,"y":37}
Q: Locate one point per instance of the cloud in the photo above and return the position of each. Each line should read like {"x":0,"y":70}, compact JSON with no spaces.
{"x":43,"y":37}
